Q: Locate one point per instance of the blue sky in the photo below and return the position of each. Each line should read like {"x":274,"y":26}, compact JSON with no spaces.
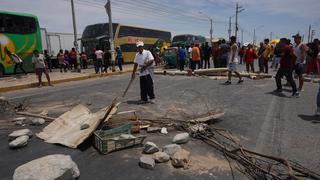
{"x":282,"y":17}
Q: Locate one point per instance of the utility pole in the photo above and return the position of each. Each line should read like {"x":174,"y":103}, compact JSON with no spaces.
{"x":211,"y":31}
{"x":309,"y":33}
{"x":239,"y":9}
{"x":108,"y":10}
{"x":229,"y":30}
{"x":271,"y":35}
{"x":254,"y":36}
{"x":313,"y":33}
{"x":75,"y":43}
{"x":241,"y":36}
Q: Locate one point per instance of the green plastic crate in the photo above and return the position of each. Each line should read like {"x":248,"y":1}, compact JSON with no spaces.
{"x":104,"y":143}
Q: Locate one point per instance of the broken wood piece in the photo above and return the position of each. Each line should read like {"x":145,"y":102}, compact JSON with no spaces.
{"x":207,"y":118}
{"x":208,"y":71}
{"x":35,"y":115}
{"x":126,"y":112}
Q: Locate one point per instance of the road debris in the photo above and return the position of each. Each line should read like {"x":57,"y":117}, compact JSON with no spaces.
{"x":153,"y":129}
{"x":180,"y":158}
{"x":181,"y":138}
{"x":171,"y":149}
{"x":147,"y":162}
{"x":66,"y":129}
{"x":57,"y":166}
{"x":19,"y":142}
{"x":161,"y":157}
{"x":164,"y":130}
{"x":252,"y":164}
{"x":150,"y":148}
{"x":35,"y":115}
{"x":37,"y":121}
{"x":21,"y":132}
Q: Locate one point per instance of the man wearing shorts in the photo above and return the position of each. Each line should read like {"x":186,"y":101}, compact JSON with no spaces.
{"x":233,"y":59}
{"x":38,"y":61}
{"x":300,"y":51}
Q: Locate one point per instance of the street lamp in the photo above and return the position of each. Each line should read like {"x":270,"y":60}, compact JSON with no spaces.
{"x":211,"y":31}
{"x":254,"y":34}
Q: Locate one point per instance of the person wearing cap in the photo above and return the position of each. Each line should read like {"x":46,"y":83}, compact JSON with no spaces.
{"x":40,"y":67}
{"x":287,"y":63}
{"x":300,"y":51}
{"x":144,"y":61}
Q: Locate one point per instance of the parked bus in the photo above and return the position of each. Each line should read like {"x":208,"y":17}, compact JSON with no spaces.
{"x":19,"y":33}
{"x":187,"y":39}
{"x":97,"y":36}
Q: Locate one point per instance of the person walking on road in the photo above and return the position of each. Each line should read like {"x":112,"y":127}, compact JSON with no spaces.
{"x":73,"y":59}
{"x":206,"y":55}
{"x":182,"y":57}
{"x":215,"y":54}
{"x":190,"y":55}
{"x":249,"y":56}
{"x":119,"y":58}
{"x":67,"y":59}
{"x":48,"y":59}
{"x":61,"y":61}
{"x":99,"y":55}
{"x":84,"y":60}
{"x":144,"y":61}
{"x":300,"y":51}
{"x":224,"y":49}
{"x":40,"y":67}
{"x":314,"y":57}
{"x":18,"y":62}
{"x":287,"y":63}
{"x":266,"y":55}
{"x":261,"y":50}
{"x":196,"y":58}
{"x":233,"y":60}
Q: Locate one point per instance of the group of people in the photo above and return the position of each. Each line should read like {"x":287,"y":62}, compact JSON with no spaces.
{"x":102,"y":60}
{"x":68,"y":60}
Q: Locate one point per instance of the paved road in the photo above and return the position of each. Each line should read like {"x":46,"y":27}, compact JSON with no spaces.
{"x":263,"y":121}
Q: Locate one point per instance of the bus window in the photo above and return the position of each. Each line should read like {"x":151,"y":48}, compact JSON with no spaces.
{"x":17,"y":24}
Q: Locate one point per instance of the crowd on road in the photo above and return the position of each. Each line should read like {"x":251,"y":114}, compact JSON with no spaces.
{"x":289,"y":59}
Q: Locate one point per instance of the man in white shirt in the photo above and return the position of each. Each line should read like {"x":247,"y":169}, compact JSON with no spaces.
{"x":144,"y":61}
{"x":99,"y":55}
{"x":40,"y":67}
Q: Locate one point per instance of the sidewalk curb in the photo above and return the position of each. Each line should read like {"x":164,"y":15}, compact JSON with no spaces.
{"x":59,"y":81}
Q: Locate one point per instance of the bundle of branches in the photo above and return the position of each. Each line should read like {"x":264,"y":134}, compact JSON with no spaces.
{"x":252,"y":164}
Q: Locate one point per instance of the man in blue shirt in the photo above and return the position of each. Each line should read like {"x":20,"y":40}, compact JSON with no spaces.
{"x":182,"y":57}
{"x":119,"y":57}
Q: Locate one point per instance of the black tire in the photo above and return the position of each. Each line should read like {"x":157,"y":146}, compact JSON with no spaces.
{"x":1,"y":71}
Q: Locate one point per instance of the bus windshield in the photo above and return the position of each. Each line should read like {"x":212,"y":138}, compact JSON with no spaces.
{"x":17,"y":24}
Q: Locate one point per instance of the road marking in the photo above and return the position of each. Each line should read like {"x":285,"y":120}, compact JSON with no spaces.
{"x":268,"y":124}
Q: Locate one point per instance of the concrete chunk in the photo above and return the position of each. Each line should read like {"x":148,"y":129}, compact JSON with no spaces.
{"x":19,"y":133}
{"x":19,"y":142}
{"x":57,"y":166}
{"x":161,"y":157}
{"x":181,"y":138}
{"x":180,"y":158}
{"x":150,"y":148}
{"x":147,"y":162}
{"x":171,"y":149}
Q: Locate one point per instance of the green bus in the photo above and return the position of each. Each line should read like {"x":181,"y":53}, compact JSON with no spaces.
{"x":19,"y":33}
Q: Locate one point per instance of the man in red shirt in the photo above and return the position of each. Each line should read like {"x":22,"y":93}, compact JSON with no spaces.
{"x":287,"y":64}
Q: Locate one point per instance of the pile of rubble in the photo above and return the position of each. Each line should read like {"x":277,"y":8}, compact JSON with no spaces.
{"x":179,"y":157}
